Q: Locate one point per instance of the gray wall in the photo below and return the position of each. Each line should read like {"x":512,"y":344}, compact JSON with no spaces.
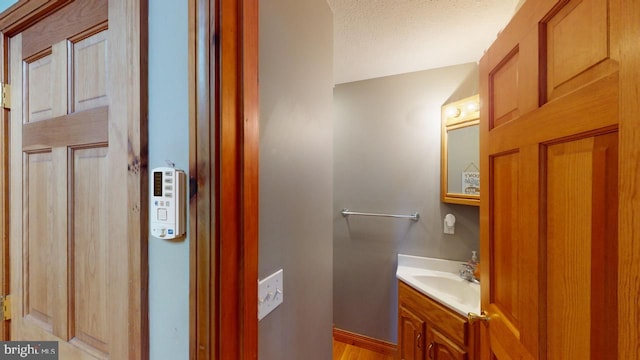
{"x":296,"y":84}
{"x":168,"y":140}
{"x":387,"y":159}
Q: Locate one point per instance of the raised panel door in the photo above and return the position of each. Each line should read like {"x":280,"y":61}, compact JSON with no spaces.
{"x":549,"y":218}
{"x":411,"y":335}
{"x":72,"y":279}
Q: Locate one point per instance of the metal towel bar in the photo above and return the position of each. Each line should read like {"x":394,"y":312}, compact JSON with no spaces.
{"x":415,"y":216}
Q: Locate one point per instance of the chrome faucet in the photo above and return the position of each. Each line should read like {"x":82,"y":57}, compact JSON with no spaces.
{"x":466,"y":272}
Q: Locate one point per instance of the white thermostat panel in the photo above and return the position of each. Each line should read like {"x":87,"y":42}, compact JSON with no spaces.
{"x":168,"y":203}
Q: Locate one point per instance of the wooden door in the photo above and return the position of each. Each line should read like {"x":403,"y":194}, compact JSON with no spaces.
{"x":77,"y":183}
{"x":549,"y":155}
{"x":412,"y":335}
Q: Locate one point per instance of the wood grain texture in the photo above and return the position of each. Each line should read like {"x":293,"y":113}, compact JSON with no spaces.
{"x":503,"y":84}
{"x":568,"y":252}
{"x":441,"y":348}
{"x":23,"y":14}
{"x":16,"y":217}
{"x":505,"y":238}
{"x":127,"y":333}
{"x":582,"y":103}
{"x":346,"y":351}
{"x":250,"y":170}
{"x":628,"y":11}
{"x":59,"y":256}
{"x":237,"y":180}
{"x":90,"y":73}
{"x":229,"y":272}
{"x":364,"y":342}
{"x":64,"y":23}
{"x":90,"y":247}
{"x":39,"y":209}
{"x":225,"y":170}
{"x":90,"y":126}
{"x":127,"y":166}
{"x":4,"y":189}
{"x":40,"y":87}
{"x":453,"y":325}
{"x":202,"y":255}
{"x":578,"y":44}
{"x":411,"y":334}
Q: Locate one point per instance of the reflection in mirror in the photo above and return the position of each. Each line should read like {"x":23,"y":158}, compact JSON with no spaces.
{"x":460,"y":179}
{"x":463,"y":159}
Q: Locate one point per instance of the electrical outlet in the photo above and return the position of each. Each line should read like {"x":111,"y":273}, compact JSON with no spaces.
{"x":270,"y":293}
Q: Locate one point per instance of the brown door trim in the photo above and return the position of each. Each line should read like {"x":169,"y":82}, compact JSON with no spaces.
{"x":224,"y":177}
{"x":25,"y":13}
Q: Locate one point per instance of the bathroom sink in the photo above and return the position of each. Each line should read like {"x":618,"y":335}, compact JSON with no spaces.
{"x":458,"y":289}
{"x":439,"y":280}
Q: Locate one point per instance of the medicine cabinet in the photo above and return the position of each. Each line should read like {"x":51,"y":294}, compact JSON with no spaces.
{"x":460,"y":163}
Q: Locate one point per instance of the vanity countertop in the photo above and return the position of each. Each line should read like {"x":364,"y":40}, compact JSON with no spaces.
{"x":439,"y":279}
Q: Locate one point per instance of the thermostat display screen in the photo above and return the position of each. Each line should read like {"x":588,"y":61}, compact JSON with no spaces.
{"x":157,"y":183}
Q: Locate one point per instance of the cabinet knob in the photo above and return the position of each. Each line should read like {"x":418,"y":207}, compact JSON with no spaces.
{"x":473,"y":317}
{"x":430,"y":351}
{"x":418,"y":337}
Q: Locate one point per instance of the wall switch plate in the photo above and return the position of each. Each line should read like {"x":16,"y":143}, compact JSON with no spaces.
{"x":270,"y":293}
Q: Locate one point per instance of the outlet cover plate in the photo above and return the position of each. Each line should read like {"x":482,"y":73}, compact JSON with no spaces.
{"x":270,"y":293}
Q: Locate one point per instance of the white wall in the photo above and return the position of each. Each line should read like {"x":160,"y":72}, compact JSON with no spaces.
{"x":168,"y":140}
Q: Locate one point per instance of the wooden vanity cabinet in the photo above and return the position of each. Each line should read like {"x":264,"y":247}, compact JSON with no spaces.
{"x":428,"y":330}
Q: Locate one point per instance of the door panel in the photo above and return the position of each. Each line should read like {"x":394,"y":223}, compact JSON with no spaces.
{"x":504,"y":239}
{"x":90,"y":229}
{"x":77,"y":249}
{"x":90,"y":72}
{"x":38,"y":277}
{"x":40,"y":82}
{"x":569,"y":248}
{"x":581,"y":199}
{"x":576,"y":37}
{"x":504,"y":81}
{"x":549,"y":220}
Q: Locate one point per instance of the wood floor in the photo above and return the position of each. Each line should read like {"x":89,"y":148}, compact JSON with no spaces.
{"x":344,"y":351}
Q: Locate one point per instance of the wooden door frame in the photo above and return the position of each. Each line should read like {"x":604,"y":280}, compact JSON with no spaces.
{"x":628,"y":184}
{"x":127,"y":17}
{"x":223,"y":166}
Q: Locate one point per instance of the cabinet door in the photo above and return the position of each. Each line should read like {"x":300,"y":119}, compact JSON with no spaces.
{"x":441,"y":348}
{"x":412,"y":330}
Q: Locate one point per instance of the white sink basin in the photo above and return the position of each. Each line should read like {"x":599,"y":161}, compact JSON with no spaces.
{"x":439,"y":280}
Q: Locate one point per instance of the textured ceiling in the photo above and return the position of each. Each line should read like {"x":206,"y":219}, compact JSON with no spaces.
{"x":374,"y":38}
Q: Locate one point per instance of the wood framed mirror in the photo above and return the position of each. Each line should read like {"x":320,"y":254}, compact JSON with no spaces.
{"x":460,"y":153}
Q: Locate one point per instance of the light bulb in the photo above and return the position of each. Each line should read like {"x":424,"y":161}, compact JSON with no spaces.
{"x":452,"y":111}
